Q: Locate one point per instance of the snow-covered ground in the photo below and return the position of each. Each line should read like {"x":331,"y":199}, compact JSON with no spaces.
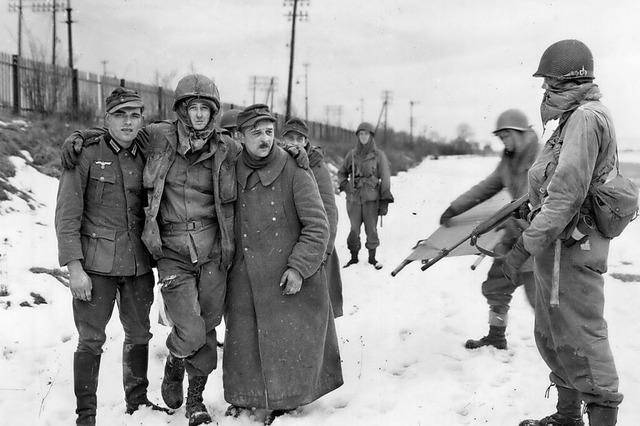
{"x":401,"y":337}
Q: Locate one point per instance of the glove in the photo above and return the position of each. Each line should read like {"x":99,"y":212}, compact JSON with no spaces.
{"x":513,"y":261}
{"x":71,"y":147}
{"x":447,"y":215}
{"x":383,"y":207}
{"x":299,"y":154}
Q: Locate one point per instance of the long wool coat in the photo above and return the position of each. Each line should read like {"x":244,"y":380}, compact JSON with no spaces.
{"x":280,"y":351}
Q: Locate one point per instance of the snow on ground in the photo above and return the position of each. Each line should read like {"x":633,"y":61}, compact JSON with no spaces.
{"x":401,"y":338}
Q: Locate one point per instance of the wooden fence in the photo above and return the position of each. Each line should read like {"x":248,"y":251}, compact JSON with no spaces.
{"x":31,"y":86}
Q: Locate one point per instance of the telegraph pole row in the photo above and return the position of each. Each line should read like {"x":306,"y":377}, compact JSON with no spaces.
{"x":303,"y":16}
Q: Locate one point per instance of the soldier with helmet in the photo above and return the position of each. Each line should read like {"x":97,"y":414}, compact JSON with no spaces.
{"x":520,"y":150}
{"x":228,"y":123}
{"x":366,"y":179}
{"x":570,"y":252}
{"x":191,"y":181}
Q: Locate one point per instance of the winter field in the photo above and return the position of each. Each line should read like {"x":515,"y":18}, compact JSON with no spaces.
{"x":401,"y":337}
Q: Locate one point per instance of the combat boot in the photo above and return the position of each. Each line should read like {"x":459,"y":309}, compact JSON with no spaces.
{"x":135,"y":362}
{"x":171,"y":389}
{"x":353,"y":260}
{"x":569,"y":412}
{"x":196,"y":412}
{"x":85,"y":384}
{"x":495,"y":338}
{"x":372,"y":259}
{"x":600,"y":415}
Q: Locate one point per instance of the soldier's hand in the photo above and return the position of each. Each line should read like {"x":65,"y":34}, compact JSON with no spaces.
{"x":447,"y":215}
{"x":79,"y":282}
{"x":513,"y":261}
{"x":291,"y":281}
{"x":383,"y":208}
{"x":71,"y":148}
{"x":299,"y":154}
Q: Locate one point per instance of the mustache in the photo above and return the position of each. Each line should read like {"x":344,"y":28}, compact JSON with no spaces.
{"x":264,"y":145}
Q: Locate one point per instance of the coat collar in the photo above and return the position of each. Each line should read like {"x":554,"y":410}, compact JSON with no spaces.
{"x":115,"y":147}
{"x":267,"y":174}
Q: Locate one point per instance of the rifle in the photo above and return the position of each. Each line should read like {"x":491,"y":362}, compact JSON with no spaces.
{"x":491,"y":223}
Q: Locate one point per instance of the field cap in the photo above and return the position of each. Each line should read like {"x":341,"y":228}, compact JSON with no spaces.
{"x":123,"y":98}
{"x":253,"y":113}
{"x":295,"y":124}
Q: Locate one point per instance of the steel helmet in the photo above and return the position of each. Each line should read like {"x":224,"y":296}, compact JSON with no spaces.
{"x":198,"y":86}
{"x":228,"y":119}
{"x":566,"y":60}
{"x":366,"y":126}
{"x":512,"y":119}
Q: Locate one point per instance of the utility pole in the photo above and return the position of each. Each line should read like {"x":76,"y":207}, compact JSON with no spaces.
{"x":17,"y":7}
{"x":104,"y":63}
{"x":411,"y":104}
{"x":69,"y":22}
{"x":386,"y":98}
{"x":260,"y":82}
{"x":306,"y":91}
{"x":303,"y":16}
{"x":53,"y":7}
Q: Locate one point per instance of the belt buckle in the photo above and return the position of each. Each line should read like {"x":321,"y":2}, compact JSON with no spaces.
{"x":191,"y":225}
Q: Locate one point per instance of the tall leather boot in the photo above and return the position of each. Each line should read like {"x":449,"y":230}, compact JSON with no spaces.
{"x":172,"y":392}
{"x":372,"y":259}
{"x":135,"y":362}
{"x":600,"y":415}
{"x":569,"y":412}
{"x":86,"y":367}
{"x":196,"y":412}
{"x":353,"y":260}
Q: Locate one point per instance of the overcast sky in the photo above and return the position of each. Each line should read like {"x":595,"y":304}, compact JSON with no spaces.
{"x":460,"y":61}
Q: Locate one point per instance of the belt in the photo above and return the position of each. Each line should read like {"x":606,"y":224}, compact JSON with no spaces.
{"x":193,"y":225}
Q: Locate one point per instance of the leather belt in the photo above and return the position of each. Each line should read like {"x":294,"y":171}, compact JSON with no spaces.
{"x":193,"y":225}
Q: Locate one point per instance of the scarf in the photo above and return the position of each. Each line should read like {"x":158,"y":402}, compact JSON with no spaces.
{"x":558,"y":100}
{"x":361,"y":151}
{"x":256,"y":163}
{"x":188,"y":137}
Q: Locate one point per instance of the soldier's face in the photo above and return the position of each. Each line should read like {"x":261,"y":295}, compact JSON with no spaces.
{"x":295,"y":138}
{"x":124,"y":125}
{"x":509,"y":138}
{"x":364,"y":137}
{"x":199,"y":114}
{"x":258,"y":139}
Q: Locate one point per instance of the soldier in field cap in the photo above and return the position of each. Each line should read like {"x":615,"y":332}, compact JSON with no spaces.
{"x":99,"y":220}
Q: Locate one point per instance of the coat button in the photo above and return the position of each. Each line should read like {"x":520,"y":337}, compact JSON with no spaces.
{"x":272,"y":203}
{"x":246,"y":249}
{"x":93,"y":234}
{"x":101,"y":178}
{"x":273,"y":219}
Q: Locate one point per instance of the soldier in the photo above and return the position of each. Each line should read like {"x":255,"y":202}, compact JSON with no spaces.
{"x":228,"y":123}
{"x":296,"y":132}
{"x":99,"y":218}
{"x":190,"y":175}
{"x":570,"y":252}
{"x":366,"y":179}
{"x":520,"y":150}
{"x":281,"y":349}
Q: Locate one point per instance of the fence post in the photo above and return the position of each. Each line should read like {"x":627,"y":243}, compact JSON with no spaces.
{"x":74,"y":89}
{"x":15,"y":66}
{"x":160,"y":103}
{"x":122,"y":82}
